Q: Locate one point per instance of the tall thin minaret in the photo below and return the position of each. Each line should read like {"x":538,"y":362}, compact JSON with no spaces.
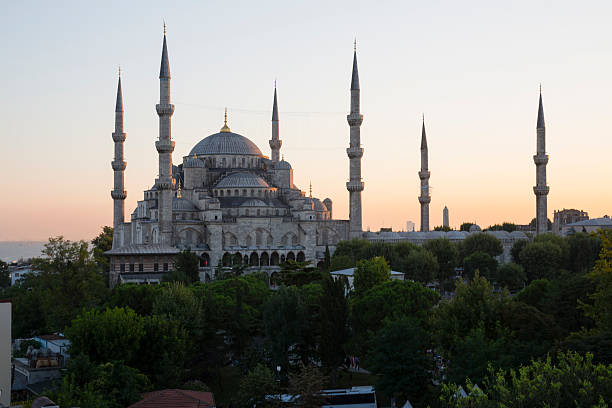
{"x":165,"y":147}
{"x":275,"y":142}
{"x":541,"y":159}
{"x":118,"y":164}
{"x":355,"y":152}
{"x":424,"y":174}
{"x":445,"y":219}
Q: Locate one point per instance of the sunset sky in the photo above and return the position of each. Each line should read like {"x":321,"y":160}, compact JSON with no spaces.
{"x":472,"y":67}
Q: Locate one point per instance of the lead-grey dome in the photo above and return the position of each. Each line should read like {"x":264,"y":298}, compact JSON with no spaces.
{"x":182,"y":204}
{"x":225,"y":143}
{"x":242,"y":179}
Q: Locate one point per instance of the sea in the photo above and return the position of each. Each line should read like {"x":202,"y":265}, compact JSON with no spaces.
{"x":11,"y":251}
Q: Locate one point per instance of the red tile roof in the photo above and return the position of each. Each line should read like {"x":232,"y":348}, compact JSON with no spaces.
{"x":175,"y":399}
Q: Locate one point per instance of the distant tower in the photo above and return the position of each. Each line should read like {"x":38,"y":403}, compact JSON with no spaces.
{"x":445,"y":221}
{"x":275,"y":142}
{"x":540,"y":160}
{"x":355,"y":152}
{"x":424,"y":174}
{"x":165,"y":147}
{"x":118,"y":164}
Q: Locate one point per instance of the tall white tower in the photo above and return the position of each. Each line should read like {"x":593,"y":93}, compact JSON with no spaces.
{"x":275,"y":142}
{"x":165,"y":147}
{"x":355,"y":152}
{"x":541,"y":159}
{"x":424,"y":174}
{"x":118,"y":164}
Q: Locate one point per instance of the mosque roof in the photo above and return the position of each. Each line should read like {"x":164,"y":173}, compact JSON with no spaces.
{"x":137,"y":249}
{"x":226,"y":143}
{"x":254,"y":202}
{"x":194,"y":162}
{"x":604,"y":221}
{"x":242,"y":179}
{"x":282,"y":165}
{"x":182,"y":204}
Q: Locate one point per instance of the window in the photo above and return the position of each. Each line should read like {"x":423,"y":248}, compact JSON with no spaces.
{"x":140,"y":267}
{"x":165,"y":267}
{"x":233,"y":162}
{"x":131,"y":267}
{"x":155,"y":267}
{"x":122,"y":268}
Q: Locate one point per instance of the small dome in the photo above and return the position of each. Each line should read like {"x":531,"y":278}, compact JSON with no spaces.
{"x":475,"y":228}
{"x":242,"y":179}
{"x":193,"y":162}
{"x":282,"y":165}
{"x":225,"y":143}
{"x":253,"y":202}
{"x":318,"y":205}
{"x":182,"y":204}
{"x":518,"y":235}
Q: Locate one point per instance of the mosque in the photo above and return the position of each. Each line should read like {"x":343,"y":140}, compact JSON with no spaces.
{"x":227,"y":201}
{"x":230,"y":204}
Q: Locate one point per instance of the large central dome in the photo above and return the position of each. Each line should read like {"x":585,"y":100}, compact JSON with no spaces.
{"x":225,"y":143}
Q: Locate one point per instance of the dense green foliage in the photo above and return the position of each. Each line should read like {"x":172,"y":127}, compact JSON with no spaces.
{"x":233,"y":332}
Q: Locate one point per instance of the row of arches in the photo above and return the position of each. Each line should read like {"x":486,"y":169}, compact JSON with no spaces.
{"x":261,"y":259}
{"x":258,"y":238}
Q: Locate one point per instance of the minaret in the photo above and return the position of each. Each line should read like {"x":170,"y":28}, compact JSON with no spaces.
{"x":275,"y":142}
{"x":118,"y":164}
{"x":355,"y":152}
{"x":424,"y":174}
{"x":541,"y":159}
{"x":165,"y":147}
{"x":445,"y":219}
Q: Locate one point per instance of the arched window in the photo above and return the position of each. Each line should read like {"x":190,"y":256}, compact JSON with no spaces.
{"x":223,"y":162}
{"x":258,"y":236}
{"x":249,"y":241}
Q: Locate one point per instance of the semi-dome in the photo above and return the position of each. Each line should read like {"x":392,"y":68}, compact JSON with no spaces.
{"x":242,"y":179}
{"x":282,"y":165}
{"x":182,"y":204}
{"x":253,"y":202}
{"x":225,"y":143}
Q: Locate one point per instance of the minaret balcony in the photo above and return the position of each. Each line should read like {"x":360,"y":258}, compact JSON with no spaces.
{"x":354,"y":119}
{"x":354,"y":186}
{"x":425,"y":199}
{"x":163,"y":146}
{"x":354,"y":152}
{"x":541,"y":190}
{"x":275,"y":143}
{"x":424,"y":174}
{"x":118,"y":137}
{"x":540,"y":159}
{"x":118,"y":194}
{"x":118,"y":165}
{"x":164,"y":109}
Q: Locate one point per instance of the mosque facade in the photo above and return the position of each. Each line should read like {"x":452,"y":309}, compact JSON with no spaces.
{"x":227,"y":201}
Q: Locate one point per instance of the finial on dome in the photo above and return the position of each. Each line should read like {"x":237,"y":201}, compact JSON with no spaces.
{"x":311,"y":189}
{"x":119,"y":71}
{"x":164,"y":27}
{"x":355,"y":44}
{"x":225,"y":128}
{"x":179,"y":193}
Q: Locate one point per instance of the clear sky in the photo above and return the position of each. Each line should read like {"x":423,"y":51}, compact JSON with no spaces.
{"x":473,"y":68}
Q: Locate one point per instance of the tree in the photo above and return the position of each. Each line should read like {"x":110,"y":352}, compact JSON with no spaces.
{"x":399,"y":357}
{"x":370,"y":273}
{"x":306,"y":383}
{"x":584,"y":251}
{"x":444,"y":228}
{"x":339,"y":262}
{"x":421,"y":266}
{"x":532,"y":224}
{"x":447,"y":255}
{"x":285,"y":321}
{"x":541,"y":260}
{"x":516,"y":249}
{"x":480,"y":242}
{"x":327,"y":259}
{"x":390,"y":300}
{"x":569,"y":380}
{"x":186,"y":268}
{"x":482,"y":262}
{"x":178,"y":302}
{"x":294,"y":273}
{"x":102,"y":243}
{"x":511,"y":276}
{"x":139,"y":298}
{"x":334,"y":331}
{"x":108,"y":335}
{"x":5,"y":278}
{"x":258,"y":389}
{"x":466,"y":226}
{"x":560,"y":242}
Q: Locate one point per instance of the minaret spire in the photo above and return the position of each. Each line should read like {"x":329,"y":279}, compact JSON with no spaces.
{"x":165,"y":147}
{"x":275,"y":142}
{"x":118,"y":164}
{"x":424,"y":174}
{"x":355,"y":153}
{"x":541,"y":160}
